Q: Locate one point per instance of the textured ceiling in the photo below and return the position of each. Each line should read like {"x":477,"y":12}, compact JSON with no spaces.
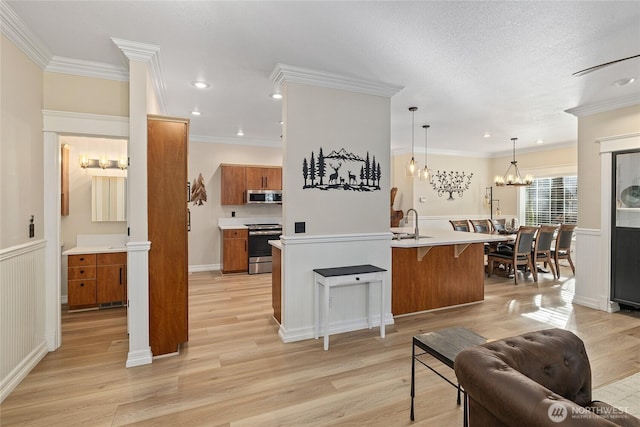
{"x":469,"y":67}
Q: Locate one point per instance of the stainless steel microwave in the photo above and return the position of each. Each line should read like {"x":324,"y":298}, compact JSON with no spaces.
{"x":264,"y":196}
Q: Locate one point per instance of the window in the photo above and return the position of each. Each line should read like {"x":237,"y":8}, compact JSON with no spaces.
{"x":552,"y":201}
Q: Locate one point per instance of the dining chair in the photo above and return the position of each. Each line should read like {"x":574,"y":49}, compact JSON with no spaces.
{"x":460,"y":224}
{"x":562,"y":249}
{"x":499,"y":225}
{"x":480,"y":225}
{"x":542,"y":248}
{"x":521,"y":254}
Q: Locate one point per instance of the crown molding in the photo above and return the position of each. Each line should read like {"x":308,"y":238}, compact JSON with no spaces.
{"x":149,"y":54}
{"x":604,"y":106}
{"x":15,"y":30}
{"x":287,"y":73}
{"x":79,"y":67}
{"x":252,"y":142}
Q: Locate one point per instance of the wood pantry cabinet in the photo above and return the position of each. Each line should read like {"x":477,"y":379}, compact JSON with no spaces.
{"x":167,"y":150}
{"x":235,"y":256}
{"x":235,"y":180}
{"x":97,"y":280}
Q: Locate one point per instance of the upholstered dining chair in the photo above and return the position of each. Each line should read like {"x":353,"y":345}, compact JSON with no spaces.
{"x":562,"y":248}
{"x":499,"y":225}
{"x":460,"y":224}
{"x":521,"y":254}
{"x":480,"y":225}
{"x":542,"y":248}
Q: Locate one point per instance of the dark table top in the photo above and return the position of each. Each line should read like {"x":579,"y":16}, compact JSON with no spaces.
{"x":445,"y":344}
{"x":345,"y":271}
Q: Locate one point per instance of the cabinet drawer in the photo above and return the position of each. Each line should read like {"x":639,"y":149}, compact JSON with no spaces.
{"x":235,"y":234}
{"x":79,"y":273}
{"x":352,"y":279}
{"x":80,"y":260}
{"x":112,"y":258}
{"x":82,"y":293}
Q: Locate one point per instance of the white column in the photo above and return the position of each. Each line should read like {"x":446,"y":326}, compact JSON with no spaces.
{"x":51,"y":164}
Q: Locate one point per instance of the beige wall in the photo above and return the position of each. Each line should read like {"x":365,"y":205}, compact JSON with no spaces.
{"x":21,"y":152}
{"x":411,"y":190}
{"x":205,"y":158}
{"x":611,"y":123}
{"x":65,"y":92}
{"x":79,"y":219}
{"x":541,"y":164}
{"x":333,"y":119}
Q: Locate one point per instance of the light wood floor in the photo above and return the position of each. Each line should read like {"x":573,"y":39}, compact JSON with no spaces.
{"x":235,"y":371}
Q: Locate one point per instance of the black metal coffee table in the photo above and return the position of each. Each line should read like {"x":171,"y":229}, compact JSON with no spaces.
{"x":444,"y":345}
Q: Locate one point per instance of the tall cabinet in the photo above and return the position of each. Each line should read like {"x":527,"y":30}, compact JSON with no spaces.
{"x":167,"y":152}
{"x":625,"y":233}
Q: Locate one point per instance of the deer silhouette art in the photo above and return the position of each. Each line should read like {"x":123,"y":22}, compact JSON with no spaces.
{"x":334,"y":176}
{"x":352,"y":178}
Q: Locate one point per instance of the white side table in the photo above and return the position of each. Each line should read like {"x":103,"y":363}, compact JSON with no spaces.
{"x":345,"y":276}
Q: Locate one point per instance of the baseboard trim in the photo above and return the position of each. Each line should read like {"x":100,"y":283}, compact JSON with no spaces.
{"x":22,"y":370}
{"x":204,"y":267}
{"x":335,"y":328}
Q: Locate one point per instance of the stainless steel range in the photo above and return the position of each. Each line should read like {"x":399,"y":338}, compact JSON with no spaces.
{"x":259,"y":248}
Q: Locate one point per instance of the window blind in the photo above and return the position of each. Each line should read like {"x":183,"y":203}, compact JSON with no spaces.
{"x":552,"y":201}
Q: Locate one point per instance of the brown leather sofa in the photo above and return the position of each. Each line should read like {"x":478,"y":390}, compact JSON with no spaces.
{"x":540,"y":378}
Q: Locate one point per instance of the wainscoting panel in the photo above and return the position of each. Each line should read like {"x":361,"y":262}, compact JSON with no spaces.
{"x":592,"y":283}
{"x":22,"y":313}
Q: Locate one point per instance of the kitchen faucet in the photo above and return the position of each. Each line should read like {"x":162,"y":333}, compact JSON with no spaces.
{"x":416,"y":231}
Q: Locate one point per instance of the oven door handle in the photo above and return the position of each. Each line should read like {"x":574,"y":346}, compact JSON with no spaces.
{"x":265,"y":233}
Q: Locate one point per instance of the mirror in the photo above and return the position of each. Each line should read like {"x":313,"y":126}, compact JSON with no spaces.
{"x":108,"y":195}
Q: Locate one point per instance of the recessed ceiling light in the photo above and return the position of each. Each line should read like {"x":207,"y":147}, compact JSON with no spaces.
{"x":240,"y":133}
{"x":539,"y":141}
{"x":625,"y":81}
{"x":281,"y":122}
{"x":487,"y":135}
{"x":195,"y":113}
{"x":200,"y":84}
{"x":276,"y":95}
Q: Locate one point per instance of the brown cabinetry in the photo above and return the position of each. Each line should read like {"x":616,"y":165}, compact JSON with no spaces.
{"x":167,"y":149}
{"x":264,"y":178}
{"x":233,"y":185}
{"x":235,"y":257}
{"x":235,"y":180}
{"x":97,"y":280}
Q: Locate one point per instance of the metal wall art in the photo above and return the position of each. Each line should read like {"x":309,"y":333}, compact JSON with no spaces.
{"x":198,"y":191}
{"x":451,"y":182}
{"x":341,"y":170}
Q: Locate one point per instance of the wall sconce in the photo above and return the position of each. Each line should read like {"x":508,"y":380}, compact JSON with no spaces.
{"x":451,"y":182}
{"x":102,"y":162}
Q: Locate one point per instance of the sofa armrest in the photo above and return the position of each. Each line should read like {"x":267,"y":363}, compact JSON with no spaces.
{"x":512,"y":397}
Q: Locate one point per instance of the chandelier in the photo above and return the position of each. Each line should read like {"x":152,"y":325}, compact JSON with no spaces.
{"x":451,"y":182}
{"x":513,"y":176}
{"x":412,"y":166}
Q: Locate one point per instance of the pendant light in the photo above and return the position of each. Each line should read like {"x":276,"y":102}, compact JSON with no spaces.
{"x":425,"y":172}
{"x":513,"y":176}
{"x":412,"y":166}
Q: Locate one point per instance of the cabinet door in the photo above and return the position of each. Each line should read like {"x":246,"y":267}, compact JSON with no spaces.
{"x":167,"y":150}
{"x":232,"y":185}
{"x":82,"y":293}
{"x":235,"y":257}
{"x":111,"y":283}
{"x":255,"y":178}
{"x":273,"y":178}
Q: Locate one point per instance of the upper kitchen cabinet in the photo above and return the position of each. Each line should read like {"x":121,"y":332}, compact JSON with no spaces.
{"x":264,"y":178}
{"x":233,"y":185}
{"x":237,"y":179}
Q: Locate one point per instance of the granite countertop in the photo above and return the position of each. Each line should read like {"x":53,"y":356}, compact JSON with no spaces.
{"x":442,"y":238}
{"x":232,"y":227}
{"x":79,"y":250}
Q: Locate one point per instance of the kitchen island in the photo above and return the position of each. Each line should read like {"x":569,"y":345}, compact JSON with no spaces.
{"x":440,"y":269}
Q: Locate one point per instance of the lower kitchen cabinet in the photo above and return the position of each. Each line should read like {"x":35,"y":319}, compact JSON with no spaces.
{"x":97,"y":280}
{"x":235,"y":255}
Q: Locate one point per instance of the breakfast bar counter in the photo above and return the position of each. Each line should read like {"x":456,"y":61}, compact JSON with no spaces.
{"x":440,"y":269}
